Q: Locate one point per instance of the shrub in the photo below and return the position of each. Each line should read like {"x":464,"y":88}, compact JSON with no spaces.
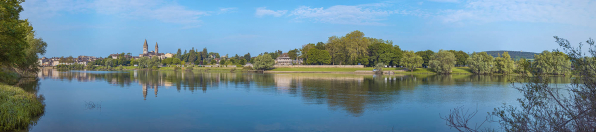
{"x":233,"y":70}
{"x":154,"y":68}
{"x":18,"y":109}
{"x":247,"y":68}
{"x":189,"y":68}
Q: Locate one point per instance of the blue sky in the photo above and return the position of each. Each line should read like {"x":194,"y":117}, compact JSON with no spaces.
{"x":99,"y":28}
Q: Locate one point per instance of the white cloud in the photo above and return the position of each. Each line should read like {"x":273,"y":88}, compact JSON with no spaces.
{"x":575,"y":12}
{"x":449,"y":1}
{"x":263,"y":11}
{"x":226,"y":10}
{"x":341,"y":14}
{"x":163,"y":11}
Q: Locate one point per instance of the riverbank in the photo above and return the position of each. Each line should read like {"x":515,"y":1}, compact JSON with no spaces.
{"x":18,"y":108}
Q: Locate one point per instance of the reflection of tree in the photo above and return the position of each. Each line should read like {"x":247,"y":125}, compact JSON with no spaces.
{"x":352,"y":93}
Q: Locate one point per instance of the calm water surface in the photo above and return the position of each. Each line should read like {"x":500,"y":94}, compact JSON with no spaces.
{"x":199,"y":101}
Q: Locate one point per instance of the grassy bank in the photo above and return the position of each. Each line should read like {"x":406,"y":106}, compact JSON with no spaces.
{"x":18,"y":109}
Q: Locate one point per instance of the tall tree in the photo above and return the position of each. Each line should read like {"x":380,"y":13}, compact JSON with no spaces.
{"x":380,"y":53}
{"x":397,"y":55}
{"x":481,"y":63}
{"x":319,"y":57}
{"x":504,"y":64}
{"x":443,"y":62}
{"x":247,"y":56}
{"x":320,"y":46}
{"x":179,"y":54}
{"x":263,"y":62}
{"x":411,"y":60}
{"x":425,"y":56}
{"x":293,"y":54}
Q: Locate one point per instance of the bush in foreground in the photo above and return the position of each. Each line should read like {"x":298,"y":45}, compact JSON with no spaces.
{"x":18,"y":109}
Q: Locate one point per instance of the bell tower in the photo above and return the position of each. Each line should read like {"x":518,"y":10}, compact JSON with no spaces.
{"x":156,"y":48}
{"x":145,"y":47}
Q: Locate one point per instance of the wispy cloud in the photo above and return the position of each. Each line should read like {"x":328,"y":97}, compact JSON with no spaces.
{"x":263,"y":11}
{"x":449,"y":1}
{"x":164,"y":11}
{"x":341,"y":14}
{"x":576,"y":12}
{"x":226,"y":10}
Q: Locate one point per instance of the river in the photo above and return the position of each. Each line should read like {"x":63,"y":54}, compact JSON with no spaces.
{"x":207,"y":101}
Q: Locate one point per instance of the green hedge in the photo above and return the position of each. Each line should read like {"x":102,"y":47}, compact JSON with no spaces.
{"x":18,"y":109}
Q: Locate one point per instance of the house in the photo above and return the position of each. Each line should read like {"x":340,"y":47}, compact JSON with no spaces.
{"x":283,"y":59}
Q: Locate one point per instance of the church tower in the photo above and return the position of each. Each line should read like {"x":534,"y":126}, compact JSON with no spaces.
{"x":145,"y":47}
{"x":156,"y":48}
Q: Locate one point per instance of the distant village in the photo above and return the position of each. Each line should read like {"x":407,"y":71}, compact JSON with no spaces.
{"x":282,"y":59}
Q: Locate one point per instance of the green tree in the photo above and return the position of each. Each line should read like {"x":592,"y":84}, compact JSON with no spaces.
{"x":522,"y":66}
{"x":481,"y":63}
{"x":319,"y":57}
{"x":425,"y":56}
{"x":242,"y":61}
{"x":320,"y":46}
{"x":13,"y":33}
{"x":293,"y":54}
{"x":166,"y":61}
{"x":555,"y":63}
{"x":263,"y":62}
{"x":504,"y":64}
{"x":179,"y":54}
{"x":213,"y":62}
{"x":397,"y":55}
{"x":176,"y":61}
{"x":247,"y":57}
{"x":222,"y":62}
{"x":380,"y":53}
{"x":443,"y":62}
{"x":411,"y":60}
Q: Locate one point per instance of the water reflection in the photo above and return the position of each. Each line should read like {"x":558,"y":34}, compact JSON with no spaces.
{"x":346,"y":92}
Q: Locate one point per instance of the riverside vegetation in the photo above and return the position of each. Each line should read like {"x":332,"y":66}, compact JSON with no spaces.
{"x":19,"y":50}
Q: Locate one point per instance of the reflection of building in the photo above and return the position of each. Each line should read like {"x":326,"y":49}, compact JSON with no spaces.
{"x":151,"y":54}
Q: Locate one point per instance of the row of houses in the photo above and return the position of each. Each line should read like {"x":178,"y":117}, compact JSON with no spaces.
{"x":54,"y":61}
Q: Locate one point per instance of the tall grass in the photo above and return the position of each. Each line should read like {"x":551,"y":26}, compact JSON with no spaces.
{"x":18,"y":109}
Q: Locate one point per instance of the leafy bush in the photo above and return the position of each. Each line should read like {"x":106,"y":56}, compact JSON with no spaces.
{"x":18,"y":109}
{"x":189,"y":68}
{"x":154,"y":68}
{"x":247,"y":68}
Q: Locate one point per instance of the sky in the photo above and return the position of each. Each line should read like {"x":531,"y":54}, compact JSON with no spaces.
{"x":103,"y":27}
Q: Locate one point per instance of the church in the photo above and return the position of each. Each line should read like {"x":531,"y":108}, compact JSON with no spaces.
{"x":151,"y":54}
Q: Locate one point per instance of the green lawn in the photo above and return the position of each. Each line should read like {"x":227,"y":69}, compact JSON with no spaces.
{"x":323,"y":69}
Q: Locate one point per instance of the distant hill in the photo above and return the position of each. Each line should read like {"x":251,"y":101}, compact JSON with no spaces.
{"x":514,"y":54}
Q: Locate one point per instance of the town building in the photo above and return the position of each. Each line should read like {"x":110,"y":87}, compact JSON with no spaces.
{"x":283,"y":59}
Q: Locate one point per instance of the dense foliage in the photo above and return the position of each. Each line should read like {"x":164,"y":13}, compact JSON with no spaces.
{"x":555,"y":63}
{"x":19,"y":49}
{"x":263,"y":62}
{"x":411,"y":60}
{"x":442,"y":62}
{"x":318,"y":57}
{"x":504,"y":64}
{"x":481,"y":63}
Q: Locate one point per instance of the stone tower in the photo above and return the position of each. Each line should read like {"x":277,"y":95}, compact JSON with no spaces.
{"x":145,"y":47}
{"x":156,"y":48}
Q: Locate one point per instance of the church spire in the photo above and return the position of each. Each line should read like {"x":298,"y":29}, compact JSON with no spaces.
{"x":145,"y":47}
{"x":156,"y":48}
